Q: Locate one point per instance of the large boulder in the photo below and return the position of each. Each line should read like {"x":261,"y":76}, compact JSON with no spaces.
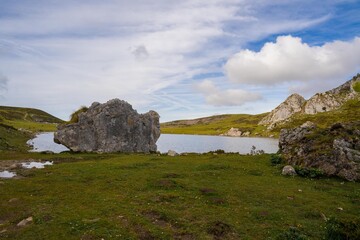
{"x":335,"y":150}
{"x":111,"y":127}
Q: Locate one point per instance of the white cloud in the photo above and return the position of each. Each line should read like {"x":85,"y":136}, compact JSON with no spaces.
{"x":229,"y":97}
{"x":291,"y":60}
{"x":63,"y":54}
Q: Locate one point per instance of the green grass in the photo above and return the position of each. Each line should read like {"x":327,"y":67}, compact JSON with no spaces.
{"x":215,"y":125}
{"x":356,"y":86}
{"x":119,"y":196}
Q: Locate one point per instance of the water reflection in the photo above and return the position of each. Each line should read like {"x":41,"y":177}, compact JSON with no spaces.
{"x":7,"y":174}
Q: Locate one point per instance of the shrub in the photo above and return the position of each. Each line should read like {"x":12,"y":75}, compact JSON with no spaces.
{"x":356,"y":86}
{"x":342,"y":229}
{"x":74,"y":117}
{"x":292,"y":233}
{"x":309,"y":172}
{"x":275,"y":159}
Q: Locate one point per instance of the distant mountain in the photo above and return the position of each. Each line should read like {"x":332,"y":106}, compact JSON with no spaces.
{"x":319,"y":103}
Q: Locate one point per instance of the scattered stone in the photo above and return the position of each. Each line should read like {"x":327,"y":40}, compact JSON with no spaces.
{"x":340,"y":209}
{"x":15,"y":166}
{"x":25,"y":222}
{"x":323,"y":217}
{"x":3,"y":231}
{"x":288,"y":171}
{"x":47,"y":152}
{"x":111,"y":127}
{"x":172,"y":153}
{"x":290,"y":197}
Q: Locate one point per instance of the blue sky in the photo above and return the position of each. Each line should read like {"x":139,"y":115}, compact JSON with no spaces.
{"x":184,"y":59}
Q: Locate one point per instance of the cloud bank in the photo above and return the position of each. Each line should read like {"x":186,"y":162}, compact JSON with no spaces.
{"x":289,"y":60}
{"x":231,"y":97}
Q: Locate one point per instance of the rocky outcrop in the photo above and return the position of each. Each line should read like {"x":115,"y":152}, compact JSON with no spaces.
{"x":335,"y":151}
{"x":291,"y":105}
{"x":333,"y":99}
{"x":320,"y":102}
{"x":235,"y":132}
{"x":111,"y":127}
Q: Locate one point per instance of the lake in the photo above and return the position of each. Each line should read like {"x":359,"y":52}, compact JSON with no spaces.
{"x":180,"y":143}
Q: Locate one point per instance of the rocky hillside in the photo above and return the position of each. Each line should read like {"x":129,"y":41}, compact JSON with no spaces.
{"x":334,"y":150}
{"x":320,"y":102}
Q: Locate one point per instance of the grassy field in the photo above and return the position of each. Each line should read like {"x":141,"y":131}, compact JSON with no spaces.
{"x":119,"y":196}
{"x":215,"y":125}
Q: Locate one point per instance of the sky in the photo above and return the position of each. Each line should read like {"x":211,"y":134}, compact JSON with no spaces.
{"x":183,"y":59}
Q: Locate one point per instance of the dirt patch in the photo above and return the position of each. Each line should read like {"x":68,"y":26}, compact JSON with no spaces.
{"x":219,"y":230}
{"x":171,"y":175}
{"x":167,"y":184}
{"x":207,"y":191}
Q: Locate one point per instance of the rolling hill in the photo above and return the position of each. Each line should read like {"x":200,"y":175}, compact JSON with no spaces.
{"x":17,"y":126}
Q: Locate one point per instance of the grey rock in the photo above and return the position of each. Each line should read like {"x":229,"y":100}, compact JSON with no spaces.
{"x":233,"y":132}
{"x":288,"y":171}
{"x":289,"y":107}
{"x":172,"y":153}
{"x":111,"y":127}
{"x":25,"y":222}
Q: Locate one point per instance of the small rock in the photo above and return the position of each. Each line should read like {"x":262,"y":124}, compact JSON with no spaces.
{"x":172,"y":153}
{"x":1,"y":183}
{"x":299,"y":190}
{"x":340,"y":209}
{"x":288,"y":171}
{"x":323,"y":217}
{"x":25,"y":222}
{"x":3,"y":231}
{"x":290,"y":197}
{"x":15,"y":166}
{"x":13,"y":200}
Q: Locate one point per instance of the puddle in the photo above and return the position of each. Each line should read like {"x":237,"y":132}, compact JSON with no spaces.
{"x":36,"y":164}
{"x":7,"y":174}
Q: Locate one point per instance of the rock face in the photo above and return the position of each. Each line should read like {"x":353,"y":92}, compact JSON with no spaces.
{"x":333,"y":99}
{"x":335,"y":151}
{"x":320,"y":102}
{"x":233,"y":132}
{"x":291,"y":105}
{"x":111,"y":127}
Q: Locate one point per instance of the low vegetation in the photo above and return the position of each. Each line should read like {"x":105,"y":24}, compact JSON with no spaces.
{"x":225,"y":196}
{"x":74,"y":117}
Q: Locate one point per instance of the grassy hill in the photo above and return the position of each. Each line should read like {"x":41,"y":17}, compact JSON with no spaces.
{"x":17,"y":125}
{"x":215,"y":125}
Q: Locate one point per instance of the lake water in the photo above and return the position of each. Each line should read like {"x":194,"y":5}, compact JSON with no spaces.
{"x":180,"y":143}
